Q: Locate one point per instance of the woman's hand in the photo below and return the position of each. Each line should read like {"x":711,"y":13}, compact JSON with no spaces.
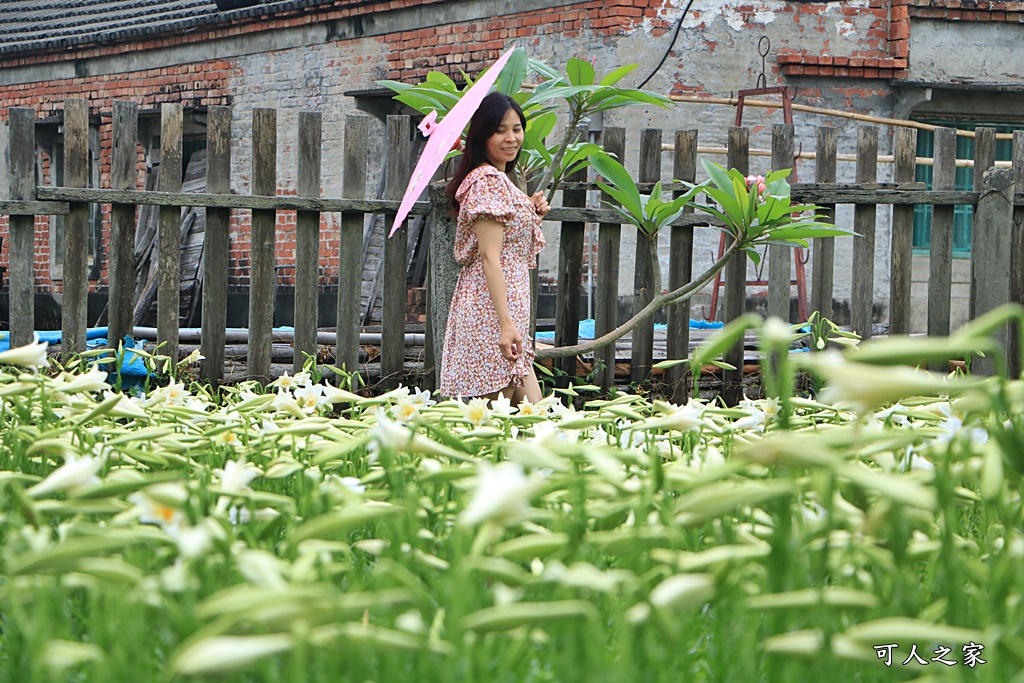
{"x":510,"y":342}
{"x":540,"y":203}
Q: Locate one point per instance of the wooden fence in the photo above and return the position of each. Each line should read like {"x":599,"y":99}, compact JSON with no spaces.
{"x":996,"y":238}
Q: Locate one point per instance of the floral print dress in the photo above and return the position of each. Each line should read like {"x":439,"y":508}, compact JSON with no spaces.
{"x":472,"y":364}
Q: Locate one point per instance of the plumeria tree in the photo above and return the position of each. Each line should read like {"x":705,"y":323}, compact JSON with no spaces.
{"x":576,"y":94}
{"x":752,"y":210}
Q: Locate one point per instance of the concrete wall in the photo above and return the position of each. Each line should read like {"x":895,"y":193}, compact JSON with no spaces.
{"x":835,"y":55}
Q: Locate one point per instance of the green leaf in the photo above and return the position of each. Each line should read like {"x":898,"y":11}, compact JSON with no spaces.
{"x":618,"y":74}
{"x":541,"y":125}
{"x":635,"y":212}
{"x":617,"y":175}
{"x":514,"y":73}
{"x":580,"y":72}
{"x":442,"y":81}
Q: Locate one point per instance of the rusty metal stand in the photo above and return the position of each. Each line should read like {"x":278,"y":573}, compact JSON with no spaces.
{"x":799,"y":253}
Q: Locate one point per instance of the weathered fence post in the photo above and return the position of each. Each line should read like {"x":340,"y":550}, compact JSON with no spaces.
{"x":642,"y":347}
{"x":124,"y":156}
{"x":444,"y":270}
{"x":216,"y":241}
{"x":680,"y":269}
{"x":735,"y":279}
{"x":902,"y":237}
{"x":350,"y":243}
{"x":780,"y":257}
{"x":940,"y":258}
{"x":263,"y":276}
{"x":1017,"y":253}
{"x":606,"y":302}
{"x":984,"y":159}
{"x":824,"y":248}
{"x":307,"y":239}
{"x":75,"y":290}
{"x":570,"y":274}
{"x":168,"y":300}
{"x":993,"y":227}
{"x":396,"y":256}
{"x":863,"y":286}
{"x":21,"y":251}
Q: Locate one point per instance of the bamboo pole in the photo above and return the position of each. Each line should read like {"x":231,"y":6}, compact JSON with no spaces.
{"x":882,"y":158}
{"x":866,"y":118}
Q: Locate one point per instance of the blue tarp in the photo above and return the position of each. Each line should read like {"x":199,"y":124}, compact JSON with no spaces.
{"x":587,"y":328}
{"x":133,"y":367}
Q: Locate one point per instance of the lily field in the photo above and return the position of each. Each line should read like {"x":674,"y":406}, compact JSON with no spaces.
{"x":870,"y":530}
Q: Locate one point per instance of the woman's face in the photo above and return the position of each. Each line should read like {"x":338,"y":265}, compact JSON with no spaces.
{"x":504,"y":144}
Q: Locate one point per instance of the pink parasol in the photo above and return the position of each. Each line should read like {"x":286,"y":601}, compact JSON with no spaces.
{"x":444,"y":135}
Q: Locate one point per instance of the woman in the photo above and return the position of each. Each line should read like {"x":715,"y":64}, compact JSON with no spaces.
{"x":487,"y":349}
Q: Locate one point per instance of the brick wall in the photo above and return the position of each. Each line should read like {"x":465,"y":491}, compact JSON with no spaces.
{"x":195,"y":85}
{"x":882,"y":50}
{"x":471,"y":46}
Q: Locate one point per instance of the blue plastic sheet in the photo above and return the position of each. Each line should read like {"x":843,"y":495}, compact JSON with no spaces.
{"x":587,"y":328}
{"x":133,"y":367}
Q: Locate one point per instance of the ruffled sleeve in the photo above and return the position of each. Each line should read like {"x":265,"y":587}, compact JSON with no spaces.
{"x":485,"y":195}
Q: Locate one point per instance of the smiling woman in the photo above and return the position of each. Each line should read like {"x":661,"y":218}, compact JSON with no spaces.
{"x":488,"y":350}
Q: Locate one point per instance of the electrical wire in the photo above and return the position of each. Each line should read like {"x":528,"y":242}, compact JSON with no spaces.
{"x":675,"y":36}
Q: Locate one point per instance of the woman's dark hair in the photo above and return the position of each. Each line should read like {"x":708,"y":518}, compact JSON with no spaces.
{"x":482,"y":126}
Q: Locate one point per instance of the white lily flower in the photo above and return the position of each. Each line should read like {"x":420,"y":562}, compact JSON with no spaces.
{"x":30,"y":356}
{"x":239,"y":515}
{"x":894,"y":414}
{"x":285,"y":382}
{"x":398,"y":392}
{"x":76,"y":471}
{"x":177,"y":578}
{"x":760,"y":413}
{"x":227,"y":653}
{"x":262,"y":568}
{"x":125,"y":407}
{"x":685,"y":418}
{"x":501,"y":406}
{"x":91,"y":381}
{"x":335,"y":395}
{"x":477,"y":412}
{"x":502,"y":495}
{"x":529,"y":409}
{"x":193,"y":357}
{"x":865,"y":386}
{"x":174,"y":394}
{"x":161,"y":504}
{"x":406,"y":410}
{"x":310,"y":397}
{"x":411,"y":621}
{"x":236,"y":475}
{"x":196,"y":404}
{"x":193,"y":541}
{"x":388,"y":433}
{"x":421,"y":397}
{"x":353,"y":484}
{"x":284,"y":402}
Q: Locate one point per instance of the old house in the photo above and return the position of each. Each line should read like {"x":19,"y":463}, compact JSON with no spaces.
{"x":950,"y":62}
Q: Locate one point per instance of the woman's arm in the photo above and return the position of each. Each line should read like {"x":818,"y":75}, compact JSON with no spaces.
{"x":489,"y":235}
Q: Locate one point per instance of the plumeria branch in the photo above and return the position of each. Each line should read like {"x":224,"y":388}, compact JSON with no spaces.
{"x":681,"y":294}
